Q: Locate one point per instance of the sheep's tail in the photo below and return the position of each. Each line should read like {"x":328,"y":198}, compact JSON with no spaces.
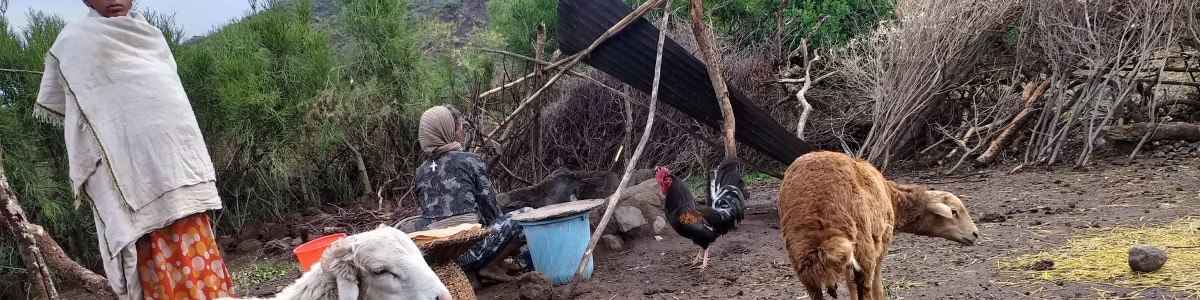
{"x":819,"y":268}
{"x":837,"y":254}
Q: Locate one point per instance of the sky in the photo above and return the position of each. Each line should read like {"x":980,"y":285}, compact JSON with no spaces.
{"x":196,"y":17}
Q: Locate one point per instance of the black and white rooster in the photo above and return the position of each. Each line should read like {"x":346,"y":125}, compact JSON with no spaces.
{"x":702,"y":224}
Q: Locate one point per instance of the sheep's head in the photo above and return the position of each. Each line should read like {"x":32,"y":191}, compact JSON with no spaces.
{"x":946,"y":217}
{"x":382,"y":264}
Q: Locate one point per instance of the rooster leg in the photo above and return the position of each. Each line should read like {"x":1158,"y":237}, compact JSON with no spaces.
{"x":704,"y":261}
{"x":696,"y":260}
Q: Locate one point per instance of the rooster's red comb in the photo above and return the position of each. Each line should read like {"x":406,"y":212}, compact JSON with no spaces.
{"x":661,"y":174}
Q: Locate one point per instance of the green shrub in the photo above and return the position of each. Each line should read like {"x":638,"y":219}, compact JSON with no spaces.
{"x":747,"y":23}
{"x":251,"y":83}
{"x":34,"y":153}
{"x":517,"y":21}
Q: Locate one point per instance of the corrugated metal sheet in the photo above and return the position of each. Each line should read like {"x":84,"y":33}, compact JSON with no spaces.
{"x":629,"y":56}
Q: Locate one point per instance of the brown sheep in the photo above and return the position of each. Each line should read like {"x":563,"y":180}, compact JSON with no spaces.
{"x":838,"y":214}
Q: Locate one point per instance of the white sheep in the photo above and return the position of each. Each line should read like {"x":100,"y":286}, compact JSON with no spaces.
{"x":837,"y":215}
{"x":379,"y":264}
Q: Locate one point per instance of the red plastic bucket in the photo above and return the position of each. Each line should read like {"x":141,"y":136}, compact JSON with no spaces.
{"x":310,"y":253}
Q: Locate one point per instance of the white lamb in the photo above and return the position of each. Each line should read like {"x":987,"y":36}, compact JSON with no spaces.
{"x":379,"y":264}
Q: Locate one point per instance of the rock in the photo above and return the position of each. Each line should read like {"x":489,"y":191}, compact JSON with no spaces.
{"x":629,"y":218}
{"x":296,"y":242}
{"x":274,"y":231}
{"x":293,"y":218}
{"x":276,"y":246}
{"x":250,"y":245}
{"x":658,"y":238}
{"x":646,"y":196}
{"x":613,"y":242}
{"x":249,"y":232}
{"x":332,"y":230}
{"x":226,"y":242}
{"x":1043,"y":265}
{"x":534,"y":286}
{"x":660,"y":225}
{"x":1146,"y":259}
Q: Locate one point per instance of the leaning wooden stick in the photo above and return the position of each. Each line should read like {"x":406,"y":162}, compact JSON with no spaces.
{"x":632,"y":163}
{"x":19,"y":71}
{"x":705,"y":41}
{"x":574,"y":59}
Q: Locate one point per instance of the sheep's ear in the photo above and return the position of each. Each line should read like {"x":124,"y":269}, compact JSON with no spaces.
{"x":382,"y":225}
{"x":339,"y":261}
{"x":347,"y":290}
{"x":941,"y":209}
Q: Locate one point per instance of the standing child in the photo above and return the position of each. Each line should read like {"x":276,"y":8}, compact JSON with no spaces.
{"x":135,"y":149}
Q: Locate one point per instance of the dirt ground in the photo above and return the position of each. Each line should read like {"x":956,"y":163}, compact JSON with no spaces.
{"x":1017,"y":213}
{"x":1021,"y":213}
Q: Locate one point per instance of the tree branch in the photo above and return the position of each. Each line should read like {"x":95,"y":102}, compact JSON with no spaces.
{"x":19,"y":71}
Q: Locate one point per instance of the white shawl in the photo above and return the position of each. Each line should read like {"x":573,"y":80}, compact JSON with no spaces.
{"x":132,"y":139}
{"x":116,"y":78}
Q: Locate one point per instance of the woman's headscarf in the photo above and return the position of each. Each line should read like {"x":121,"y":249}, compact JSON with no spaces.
{"x":437,"y":132}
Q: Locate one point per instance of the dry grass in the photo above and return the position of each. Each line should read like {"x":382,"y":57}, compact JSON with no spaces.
{"x":1101,"y":257}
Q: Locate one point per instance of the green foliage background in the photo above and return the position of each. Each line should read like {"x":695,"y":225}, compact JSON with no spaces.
{"x":748,"y":23}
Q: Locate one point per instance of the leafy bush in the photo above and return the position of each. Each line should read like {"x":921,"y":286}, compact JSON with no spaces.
{"x":251,"y":83}
{"x":747,"y":22}
{"x":517,"y":21}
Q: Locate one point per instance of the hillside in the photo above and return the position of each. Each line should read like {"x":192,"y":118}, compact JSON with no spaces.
{"x":466,"y":14}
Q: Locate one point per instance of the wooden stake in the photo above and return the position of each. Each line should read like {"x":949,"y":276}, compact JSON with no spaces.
{"x":704,"y":39}
{"x":632,"y":163}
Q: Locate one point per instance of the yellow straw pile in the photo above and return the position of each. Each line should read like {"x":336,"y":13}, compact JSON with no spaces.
{"x":1102,"y":257}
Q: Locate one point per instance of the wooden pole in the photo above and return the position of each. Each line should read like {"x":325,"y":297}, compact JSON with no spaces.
{"x":632,"y":163}
{"x":704,"y":40}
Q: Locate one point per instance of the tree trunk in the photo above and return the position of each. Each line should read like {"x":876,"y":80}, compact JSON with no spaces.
{"x":362,"y":168}
{"x":1165,"y":131}
{"x":14,"y":218}
{"x":40,"y":253}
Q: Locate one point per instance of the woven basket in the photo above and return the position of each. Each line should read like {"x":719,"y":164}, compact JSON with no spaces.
{"x":440,"y":255}
{"x":455,"y":280}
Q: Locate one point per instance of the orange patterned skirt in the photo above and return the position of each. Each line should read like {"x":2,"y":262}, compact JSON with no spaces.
{"x":181,"y":261}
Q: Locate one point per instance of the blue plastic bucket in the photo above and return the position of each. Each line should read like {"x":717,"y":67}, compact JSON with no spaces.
{"x":557,"y":245}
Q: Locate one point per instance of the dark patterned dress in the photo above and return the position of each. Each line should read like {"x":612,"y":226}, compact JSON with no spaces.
{"x":457,"y":183}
